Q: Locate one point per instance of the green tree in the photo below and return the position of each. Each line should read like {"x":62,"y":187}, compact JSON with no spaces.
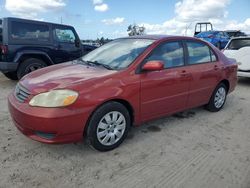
{"x":134,"y":29}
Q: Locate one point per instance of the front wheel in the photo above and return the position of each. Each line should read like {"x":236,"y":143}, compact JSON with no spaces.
{"x":218,"y":98}
{"x":108,"y":126}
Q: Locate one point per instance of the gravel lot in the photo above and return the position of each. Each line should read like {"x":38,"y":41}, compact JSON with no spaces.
{"x":193,"y":149}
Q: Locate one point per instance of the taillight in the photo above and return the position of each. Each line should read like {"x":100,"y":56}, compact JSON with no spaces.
{"x":210,"y":36}
{"x":4,"y":49}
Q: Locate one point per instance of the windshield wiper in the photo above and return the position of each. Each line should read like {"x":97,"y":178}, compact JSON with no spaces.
{"x":96,"y":63}
{"x":99,"y":64}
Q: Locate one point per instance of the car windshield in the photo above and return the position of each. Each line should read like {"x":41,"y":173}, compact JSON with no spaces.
{"x":118,"y":54}
{"x":236,"y":44}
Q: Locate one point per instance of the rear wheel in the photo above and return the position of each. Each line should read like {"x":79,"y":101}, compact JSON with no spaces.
{"x":218,"y":98}
{"x":108,"y":126}
{"x":29,"y":65}
{"x":11,"y":75}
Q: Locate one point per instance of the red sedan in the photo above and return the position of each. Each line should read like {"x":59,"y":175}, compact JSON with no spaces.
{"x":123,"y":83}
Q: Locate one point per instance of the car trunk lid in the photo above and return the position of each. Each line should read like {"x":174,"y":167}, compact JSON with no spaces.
{"x":242,"y":57}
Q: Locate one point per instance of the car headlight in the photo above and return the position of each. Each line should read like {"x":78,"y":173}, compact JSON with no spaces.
{"x":54,"y":98}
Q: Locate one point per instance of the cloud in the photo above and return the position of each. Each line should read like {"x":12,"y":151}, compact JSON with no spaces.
{"x":101,"y":7}
{"x":114,"y":21}
{"x":234,"y":25}
{"x":31,"y":8}
{"x":189,"y":12}
{"x":96,"y":2}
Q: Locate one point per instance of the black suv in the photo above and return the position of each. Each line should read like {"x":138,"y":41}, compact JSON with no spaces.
{"x":27,"y":45}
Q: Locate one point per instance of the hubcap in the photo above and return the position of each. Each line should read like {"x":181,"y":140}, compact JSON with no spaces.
{"x":220,"y":97}
{"x":33,"y":67}
{"x":111,"y":128}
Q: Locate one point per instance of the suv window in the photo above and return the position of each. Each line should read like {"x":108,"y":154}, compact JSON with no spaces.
{"x":29,"y":31}
{"x":236,"y":44}
{"x":65,"y":35}
{"x":171,"y":53}
{"x":199,"y":53}
{"x":1,"y":32}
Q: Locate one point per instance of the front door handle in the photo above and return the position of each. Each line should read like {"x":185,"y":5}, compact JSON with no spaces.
{"x":184,"y":73}
{"x":216,"y":67}
{"x":57,"y":46}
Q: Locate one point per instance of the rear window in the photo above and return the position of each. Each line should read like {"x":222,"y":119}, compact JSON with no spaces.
{"x":29,"y":31}
{"x":236,"y":44}
{"x":199,"y":53}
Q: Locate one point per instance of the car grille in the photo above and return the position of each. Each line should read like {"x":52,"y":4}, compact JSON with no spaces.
{"x":21,"y":93}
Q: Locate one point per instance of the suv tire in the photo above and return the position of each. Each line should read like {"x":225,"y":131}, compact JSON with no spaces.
{"x":29,"y":65}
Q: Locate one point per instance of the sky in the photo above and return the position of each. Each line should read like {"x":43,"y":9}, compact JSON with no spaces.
{"x":110,"y":18}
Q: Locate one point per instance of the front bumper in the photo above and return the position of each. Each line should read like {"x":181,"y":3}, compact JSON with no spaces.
{"x":48,"y":125}
{"x":8,"y":66}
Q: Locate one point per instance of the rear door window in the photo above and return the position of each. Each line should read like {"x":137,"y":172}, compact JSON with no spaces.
{"x":29,"y":31}
{"x":199,"y":53}
{"x":236,"y":44}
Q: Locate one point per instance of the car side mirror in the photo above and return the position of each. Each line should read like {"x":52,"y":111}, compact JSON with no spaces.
{"x":77,"y":43}
{"x":153,"y":66}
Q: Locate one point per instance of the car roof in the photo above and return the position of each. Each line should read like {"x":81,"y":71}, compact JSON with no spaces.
{"x":34,"y":21}
{"x":158,"y":37}
{"x":233,"y":31}
{"x":241,"y":37}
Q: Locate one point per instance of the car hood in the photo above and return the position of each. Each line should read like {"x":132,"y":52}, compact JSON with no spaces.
{"x":62,"y":76}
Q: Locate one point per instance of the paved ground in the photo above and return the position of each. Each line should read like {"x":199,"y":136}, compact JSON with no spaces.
{"x":192,"y":149}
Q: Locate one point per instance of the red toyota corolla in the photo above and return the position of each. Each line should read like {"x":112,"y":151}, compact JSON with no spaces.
{"x":123,"y":83}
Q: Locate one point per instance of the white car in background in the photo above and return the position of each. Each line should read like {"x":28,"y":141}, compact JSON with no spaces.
{"x":239,"y":49}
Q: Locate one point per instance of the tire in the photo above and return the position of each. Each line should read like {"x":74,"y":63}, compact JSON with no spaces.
{"x":105,"y":133}
{"x":29,"y":65}
{"x":218,"y":98}
{"x":11,"y":75}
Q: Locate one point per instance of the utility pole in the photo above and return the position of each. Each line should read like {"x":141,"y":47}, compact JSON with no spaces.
{"x":187,"y":27}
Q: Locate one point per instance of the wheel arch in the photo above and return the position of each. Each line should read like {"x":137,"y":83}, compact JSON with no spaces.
{"x":22,"y":56}
{"x":227,"y":84}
